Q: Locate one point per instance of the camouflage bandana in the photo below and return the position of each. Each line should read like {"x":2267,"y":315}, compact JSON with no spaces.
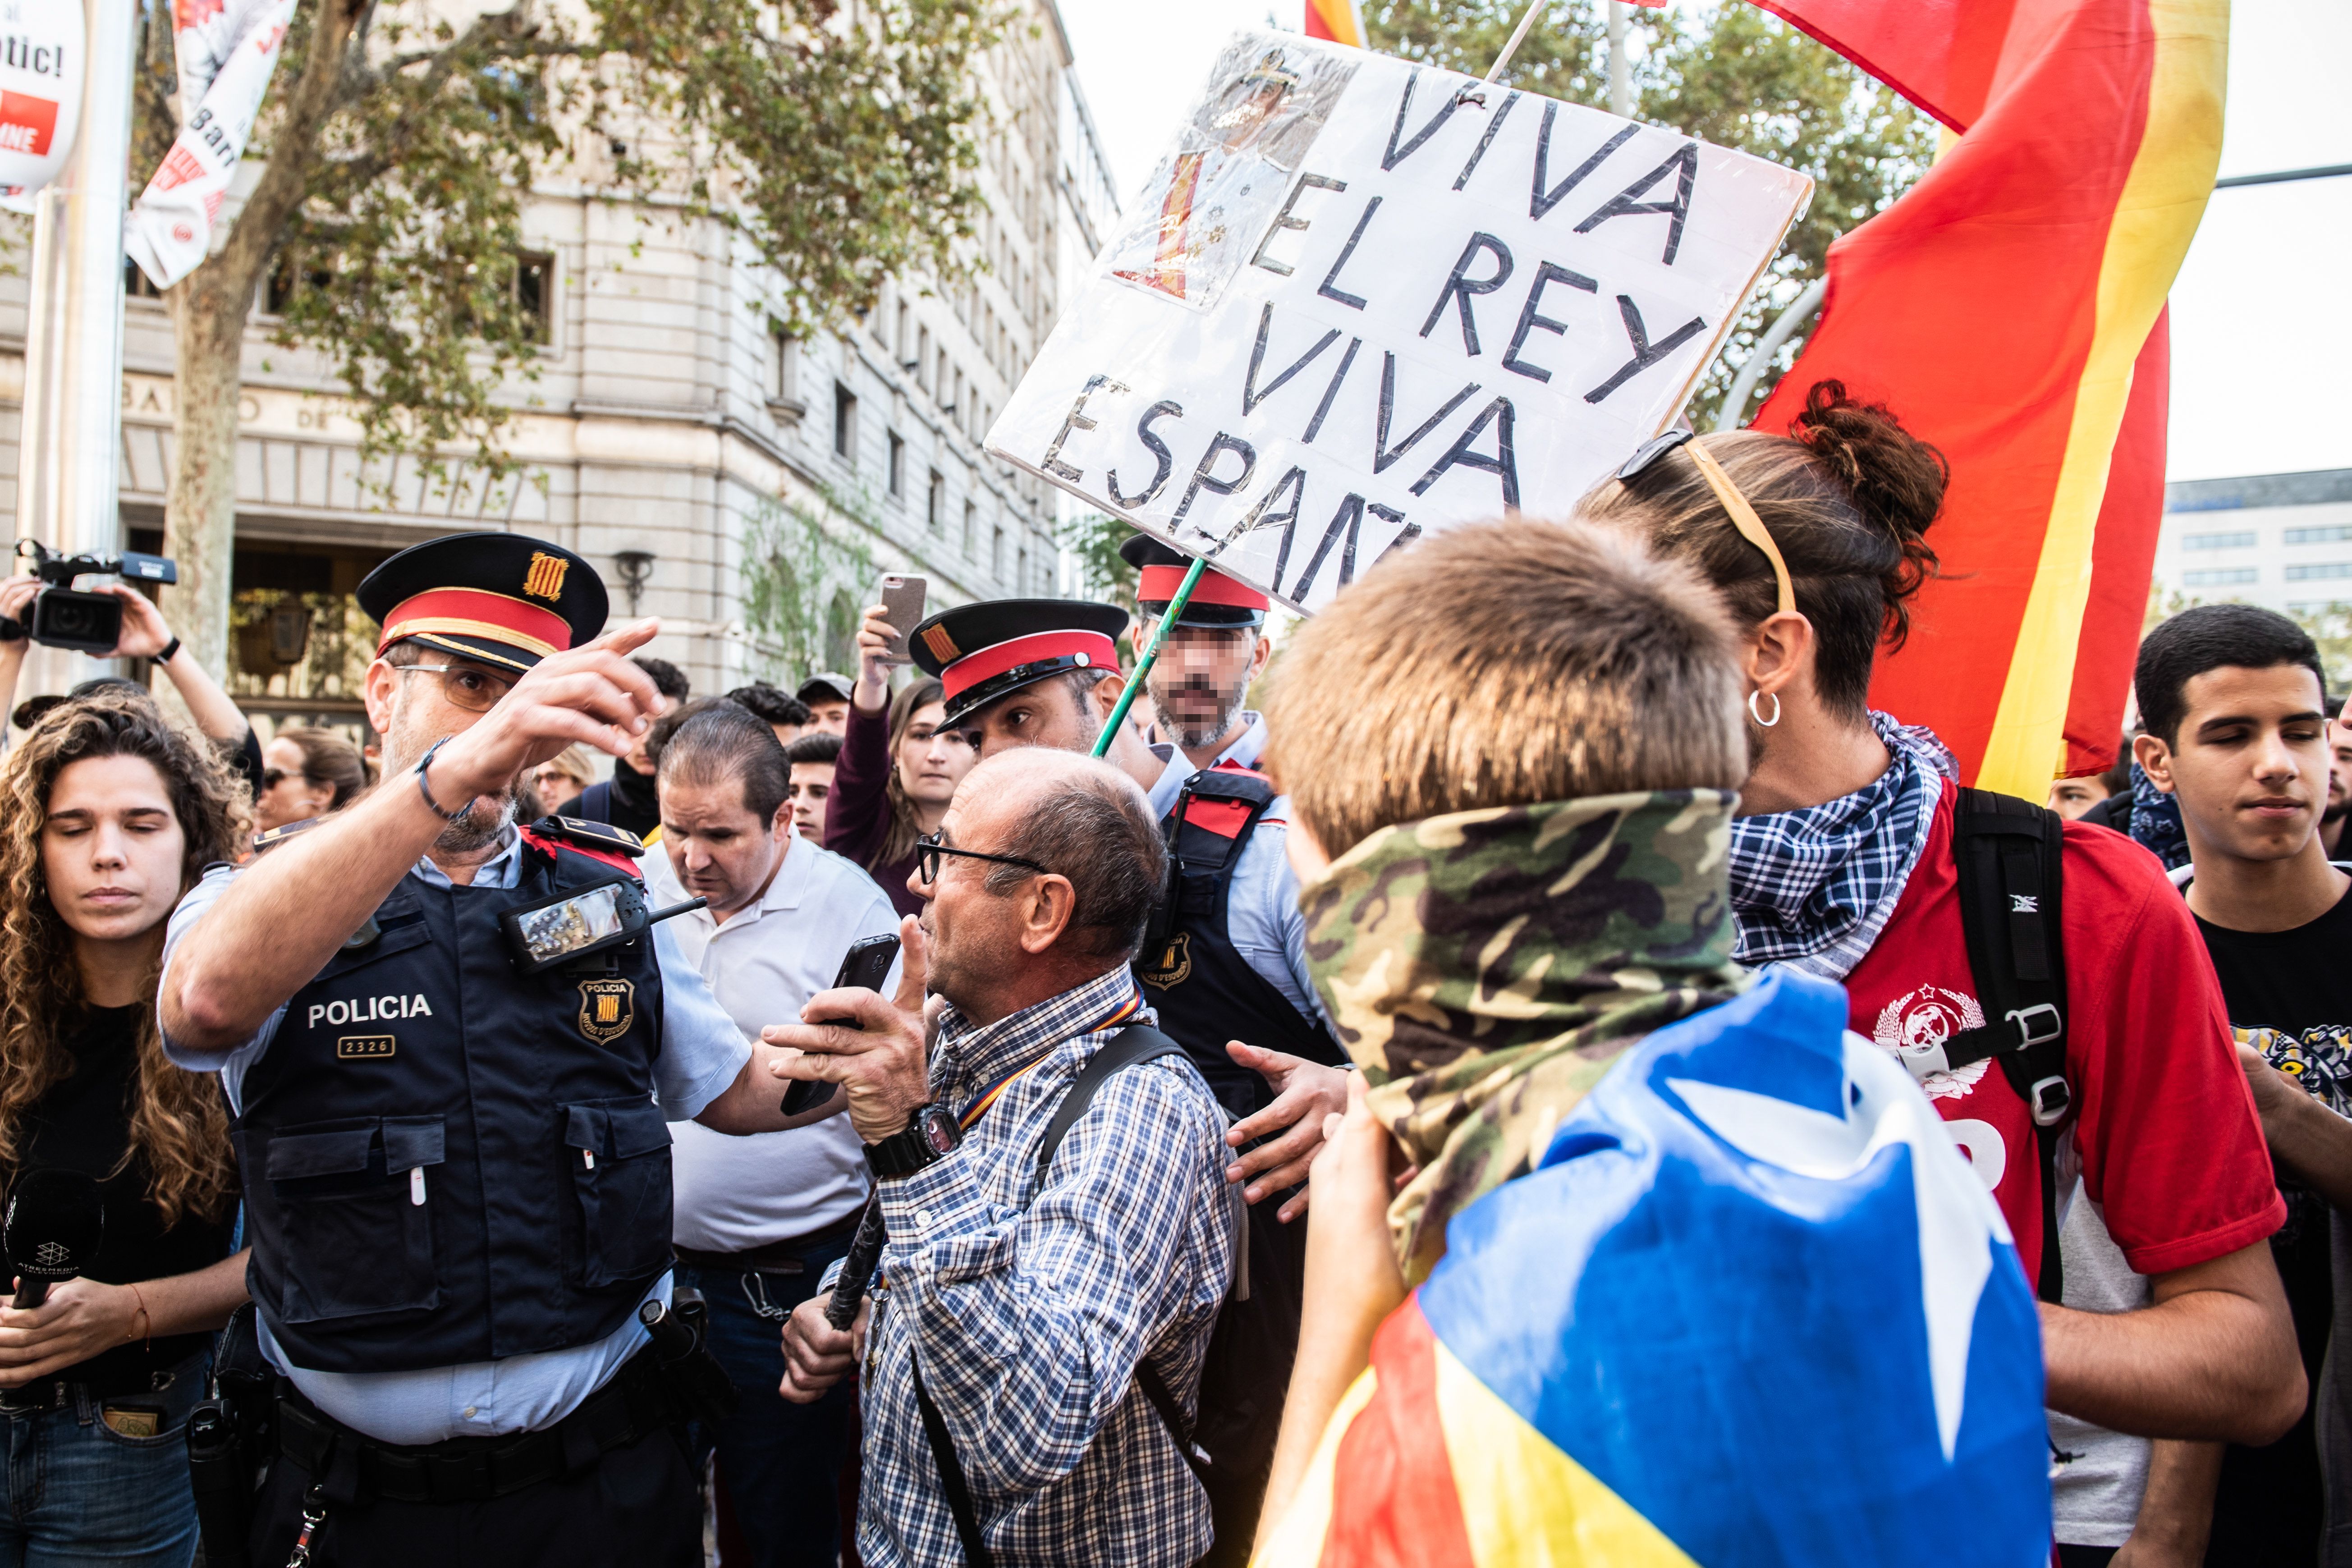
{"x":1483,"y":969}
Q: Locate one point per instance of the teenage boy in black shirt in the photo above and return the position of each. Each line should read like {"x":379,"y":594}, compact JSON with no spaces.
{"x":2231,"y":697}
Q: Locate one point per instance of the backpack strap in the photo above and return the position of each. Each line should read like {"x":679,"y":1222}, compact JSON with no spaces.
{"x":1131,"y":1047}
{"x":2009,"y":857}
{"x":1136,"y":1044}
{"x":976,"y":1553}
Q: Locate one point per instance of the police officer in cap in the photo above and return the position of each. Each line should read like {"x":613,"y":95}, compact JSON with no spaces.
{"x":452,"y":1129}
{"x":1225,"y":960}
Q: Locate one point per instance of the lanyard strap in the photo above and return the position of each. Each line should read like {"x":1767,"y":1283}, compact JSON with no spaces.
{"x":980,"y":1103}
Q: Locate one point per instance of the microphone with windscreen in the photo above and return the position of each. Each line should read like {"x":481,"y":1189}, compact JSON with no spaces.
{"x":51,"y":1230}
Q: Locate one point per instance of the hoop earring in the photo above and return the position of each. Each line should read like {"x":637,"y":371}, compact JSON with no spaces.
{"x":1761,"y":722}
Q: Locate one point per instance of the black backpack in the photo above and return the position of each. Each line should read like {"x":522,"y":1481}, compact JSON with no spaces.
{"x":1228,"y":1361}
{"x":2010,"y":861}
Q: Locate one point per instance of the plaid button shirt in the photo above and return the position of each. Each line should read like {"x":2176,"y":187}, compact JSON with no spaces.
{"x":1028,"y":1310}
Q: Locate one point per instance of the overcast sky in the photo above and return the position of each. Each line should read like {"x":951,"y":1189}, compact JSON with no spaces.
{"x":2262,"y":375}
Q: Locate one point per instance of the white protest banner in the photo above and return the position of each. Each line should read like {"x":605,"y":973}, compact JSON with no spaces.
{"x":227,"y":49}
{"x":41,"y":68}
{"x":1361,"y":300}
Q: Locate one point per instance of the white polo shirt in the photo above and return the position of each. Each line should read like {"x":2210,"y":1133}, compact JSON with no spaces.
{"x":763,"y":964}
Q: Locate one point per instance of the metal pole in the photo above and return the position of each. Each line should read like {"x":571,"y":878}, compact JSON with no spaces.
{"x":1759,"y":360}
{"x":2327,"y":171}
{"x":1621,"y":69}
{"x":1150,"y":656}
{"x":70,"y":439}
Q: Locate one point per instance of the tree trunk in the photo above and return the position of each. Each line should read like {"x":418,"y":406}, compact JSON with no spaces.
{"x":200,"y":514}
{"x":209,"y":311}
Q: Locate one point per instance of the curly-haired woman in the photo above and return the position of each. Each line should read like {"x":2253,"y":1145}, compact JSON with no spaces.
{"x":107,"y":816}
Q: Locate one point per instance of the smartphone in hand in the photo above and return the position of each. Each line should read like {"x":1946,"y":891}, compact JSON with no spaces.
{"x":863,"y":967}
{"x":902,"y":606}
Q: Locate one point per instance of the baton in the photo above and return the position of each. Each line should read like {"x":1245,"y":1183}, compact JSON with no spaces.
{"x":858,"y":1269}
{"x":1142,"y":673}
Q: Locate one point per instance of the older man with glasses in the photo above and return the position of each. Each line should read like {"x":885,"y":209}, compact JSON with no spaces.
{"x":1031,"y":1375}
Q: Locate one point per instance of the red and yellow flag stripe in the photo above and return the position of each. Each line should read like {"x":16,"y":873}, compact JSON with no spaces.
{"x":1337,"y":21}
{"x":2007,"y":308}
{"x":1423,"y":1466}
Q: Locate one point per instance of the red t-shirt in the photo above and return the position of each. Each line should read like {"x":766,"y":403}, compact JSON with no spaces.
{"x":2164,"y":1126}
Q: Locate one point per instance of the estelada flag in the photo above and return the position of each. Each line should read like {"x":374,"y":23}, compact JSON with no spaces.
{"x":2010,"y":309}
{"x":1753,"y":1308}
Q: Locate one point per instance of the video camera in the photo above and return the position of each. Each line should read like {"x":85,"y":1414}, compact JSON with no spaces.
{"x":64,"y":616}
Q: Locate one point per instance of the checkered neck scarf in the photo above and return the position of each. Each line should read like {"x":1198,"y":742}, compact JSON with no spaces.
{"x":1813,"y":887}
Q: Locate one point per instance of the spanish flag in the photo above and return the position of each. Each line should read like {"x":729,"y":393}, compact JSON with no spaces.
{"x":1752,"y":1309}
{"x":1337,"y":21}
{"x":2010,"y":308}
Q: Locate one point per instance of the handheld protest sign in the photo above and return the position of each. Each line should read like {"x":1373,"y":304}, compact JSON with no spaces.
{"x":1361,"y":300}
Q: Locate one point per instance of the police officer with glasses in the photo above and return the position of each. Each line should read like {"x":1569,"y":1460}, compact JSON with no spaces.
{"x":453,"y":1128}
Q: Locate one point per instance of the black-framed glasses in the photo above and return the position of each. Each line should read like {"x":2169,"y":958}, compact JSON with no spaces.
{"x":467,"y":686}
{"x":272,"y":777}
{"x":928,"y":851}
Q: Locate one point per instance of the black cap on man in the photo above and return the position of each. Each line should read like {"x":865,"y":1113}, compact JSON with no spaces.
{"x":504,"y":598}
{"x":981,"y":652}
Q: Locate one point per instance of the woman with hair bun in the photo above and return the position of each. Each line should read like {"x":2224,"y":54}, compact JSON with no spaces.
{"x":1843,"y":865}
{"x":108,"y":814}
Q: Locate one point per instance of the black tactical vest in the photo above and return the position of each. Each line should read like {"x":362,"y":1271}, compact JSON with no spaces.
{"x":1202,"y":988}
{"x":446,"y":1162}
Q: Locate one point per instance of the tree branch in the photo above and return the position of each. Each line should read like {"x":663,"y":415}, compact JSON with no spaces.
{"x":287,"y":180}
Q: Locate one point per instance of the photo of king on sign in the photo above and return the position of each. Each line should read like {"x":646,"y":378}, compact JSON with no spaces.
{"x":1362,"y":299}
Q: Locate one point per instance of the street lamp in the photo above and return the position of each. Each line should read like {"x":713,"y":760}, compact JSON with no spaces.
{"x":637,"y":568}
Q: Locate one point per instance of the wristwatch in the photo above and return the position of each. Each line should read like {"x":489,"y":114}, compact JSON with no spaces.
{"x":929,"y":1134}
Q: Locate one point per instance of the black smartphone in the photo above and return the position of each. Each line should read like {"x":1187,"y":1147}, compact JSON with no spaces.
{"x":865,"y":966}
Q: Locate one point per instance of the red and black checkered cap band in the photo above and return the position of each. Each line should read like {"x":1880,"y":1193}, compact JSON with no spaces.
{"x":1159,"y":585}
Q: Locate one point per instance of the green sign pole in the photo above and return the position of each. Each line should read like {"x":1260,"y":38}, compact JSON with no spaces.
{"x":1150,"y":656}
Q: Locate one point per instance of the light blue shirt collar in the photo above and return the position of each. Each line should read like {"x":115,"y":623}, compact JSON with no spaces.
{"x":503,"y":869}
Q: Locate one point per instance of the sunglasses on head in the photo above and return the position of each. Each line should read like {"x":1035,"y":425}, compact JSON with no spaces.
{"x":928,"y":851}
{"x":1743,"y":516}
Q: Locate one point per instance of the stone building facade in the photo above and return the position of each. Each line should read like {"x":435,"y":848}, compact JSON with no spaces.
{"x":711,"y":468}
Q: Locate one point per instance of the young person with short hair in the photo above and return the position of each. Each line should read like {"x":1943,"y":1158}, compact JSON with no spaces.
{"x":814,"y":758}
{"x":1519,"y":917}
{"x":2232,"y":698}
{"x":1843,"y":865}
{"x":779,"y":709}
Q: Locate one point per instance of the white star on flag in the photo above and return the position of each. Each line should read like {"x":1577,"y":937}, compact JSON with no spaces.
{"x":1959,"y":1221}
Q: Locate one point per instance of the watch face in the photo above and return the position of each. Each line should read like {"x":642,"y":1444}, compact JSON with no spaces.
{"x":940,"y":1131}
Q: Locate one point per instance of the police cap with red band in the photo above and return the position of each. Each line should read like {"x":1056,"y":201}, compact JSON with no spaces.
{"x":981,"y":652}
{"x":503,"y":598}
{"x":1217,"y":600}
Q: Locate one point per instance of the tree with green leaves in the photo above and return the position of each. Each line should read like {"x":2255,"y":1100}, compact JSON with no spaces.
{"x":1729,"y":74}
{"x":400,"y":143}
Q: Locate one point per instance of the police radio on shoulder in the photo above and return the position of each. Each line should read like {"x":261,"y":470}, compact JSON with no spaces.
{"x":578,"y":925}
